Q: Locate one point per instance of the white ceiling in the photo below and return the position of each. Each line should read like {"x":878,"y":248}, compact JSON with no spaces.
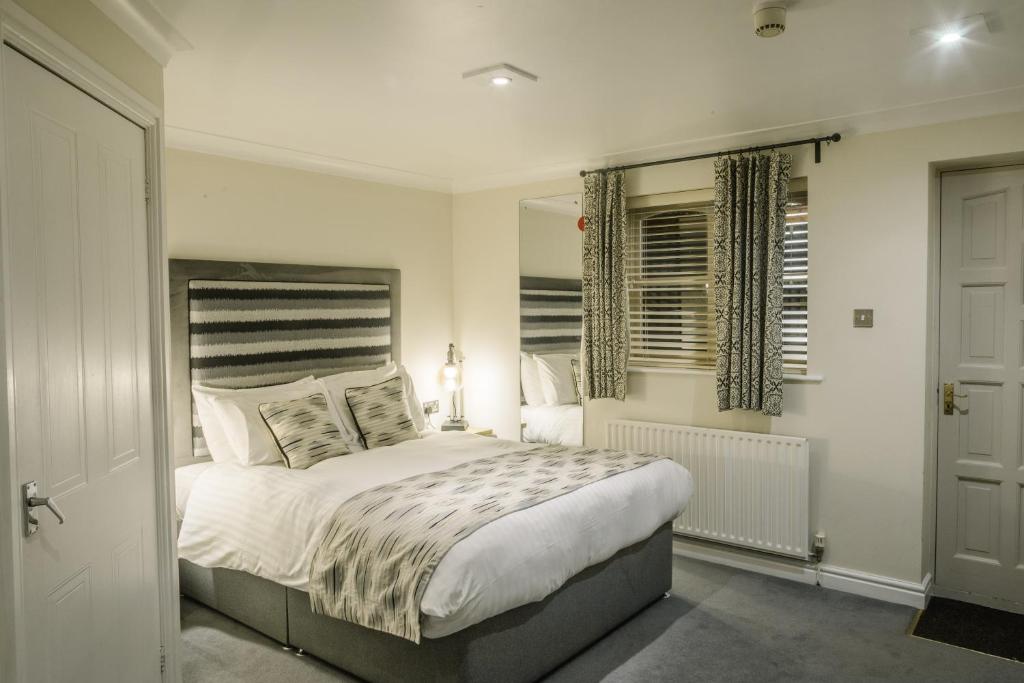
{"x":374,"y":88}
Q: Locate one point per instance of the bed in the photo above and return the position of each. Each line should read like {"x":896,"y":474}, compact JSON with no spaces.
{"x":549,"y":579}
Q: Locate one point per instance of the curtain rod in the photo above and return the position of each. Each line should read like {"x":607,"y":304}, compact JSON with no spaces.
{"x":827,"y":139}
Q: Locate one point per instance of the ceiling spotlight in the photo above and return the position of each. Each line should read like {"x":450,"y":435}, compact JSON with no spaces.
{"x":952,"y":32}
{"x":500,"y":75}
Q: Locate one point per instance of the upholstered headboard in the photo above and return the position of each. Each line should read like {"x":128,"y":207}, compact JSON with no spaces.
{"x":550,"y":315}
{"x":237,"y":325}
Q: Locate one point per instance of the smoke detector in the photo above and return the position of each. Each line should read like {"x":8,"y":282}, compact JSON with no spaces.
{"x":769,"y":18}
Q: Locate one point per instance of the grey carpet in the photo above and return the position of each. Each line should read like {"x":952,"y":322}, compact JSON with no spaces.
{"x":720,"y":624}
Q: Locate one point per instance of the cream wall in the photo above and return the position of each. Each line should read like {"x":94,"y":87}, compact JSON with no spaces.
{"x":550,"y":244}
{"x":220,"y":208}
{"x":83,"y":25}
{"x":871,"y":418}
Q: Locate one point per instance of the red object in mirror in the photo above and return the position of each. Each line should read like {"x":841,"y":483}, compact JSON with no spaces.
{"x":580,"y":223}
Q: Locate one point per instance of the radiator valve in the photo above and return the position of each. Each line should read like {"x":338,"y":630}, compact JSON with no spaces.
{"x":818,"y":547}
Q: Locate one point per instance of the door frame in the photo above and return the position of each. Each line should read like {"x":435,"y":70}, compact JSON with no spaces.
{"x":32,"y":38}
{"x":934,"y":373}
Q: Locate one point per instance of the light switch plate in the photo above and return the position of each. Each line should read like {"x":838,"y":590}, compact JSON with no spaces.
{"x":863,"y":317}
{"x":430,"y":407}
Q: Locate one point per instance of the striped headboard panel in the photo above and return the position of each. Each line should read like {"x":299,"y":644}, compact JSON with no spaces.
{"x":269,"y":324}
{"x":550,"y":315}
{"x":250,"y":334}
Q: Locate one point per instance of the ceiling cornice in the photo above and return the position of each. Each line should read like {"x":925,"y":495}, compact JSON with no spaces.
{"x":978,"y":105}
{"x":941,"y":111}
{"x":246,"y":150}
{"x":146,"y":26}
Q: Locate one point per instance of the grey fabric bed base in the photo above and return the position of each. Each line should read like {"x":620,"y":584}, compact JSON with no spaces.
{"x":519,"y":645}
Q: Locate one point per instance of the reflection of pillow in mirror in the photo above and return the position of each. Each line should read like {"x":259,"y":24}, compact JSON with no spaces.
{"x":556,"y":381}
{"x":577,"y":379}
{"x":530,"y":380}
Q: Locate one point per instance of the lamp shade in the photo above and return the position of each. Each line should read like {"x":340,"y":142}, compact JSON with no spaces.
{"x":450,"y":376}
{"x":451,"y":372}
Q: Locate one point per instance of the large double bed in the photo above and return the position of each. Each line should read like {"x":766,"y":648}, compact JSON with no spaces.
{"x":509,"y":601}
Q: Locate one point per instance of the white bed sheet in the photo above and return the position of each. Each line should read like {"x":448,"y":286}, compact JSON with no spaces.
{"x":184,"y":477}
{"x":553,"y":424}
{"x":268,"y":521}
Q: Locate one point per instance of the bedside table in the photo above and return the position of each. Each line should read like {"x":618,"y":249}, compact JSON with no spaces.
{"x":482,"y":431}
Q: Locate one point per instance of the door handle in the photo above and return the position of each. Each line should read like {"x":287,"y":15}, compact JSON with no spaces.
{"x":31,"y":501}
{"x":948,"y":406}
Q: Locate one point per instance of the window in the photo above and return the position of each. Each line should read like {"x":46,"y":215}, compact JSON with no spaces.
{"x":671,"y":287}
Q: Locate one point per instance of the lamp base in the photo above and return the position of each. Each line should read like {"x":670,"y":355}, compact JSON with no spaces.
{"x":450,"y":425}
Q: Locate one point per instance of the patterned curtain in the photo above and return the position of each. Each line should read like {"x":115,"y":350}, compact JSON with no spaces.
{"x":605,"y":332}
{"x":750,"y":224}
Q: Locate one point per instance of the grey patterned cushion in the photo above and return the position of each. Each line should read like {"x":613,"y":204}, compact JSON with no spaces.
{"x":382,"y":413}
{"x":304,"y":430}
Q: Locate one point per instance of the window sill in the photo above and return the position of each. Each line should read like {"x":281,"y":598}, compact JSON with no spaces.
{"x":788,"y":379}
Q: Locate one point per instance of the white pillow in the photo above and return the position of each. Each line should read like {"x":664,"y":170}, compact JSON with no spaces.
{"x":233,"y":427}
{"x":556,"y":380}
{"x":216,"y":440}
{"x":530,"y":380}
{"x":335,"y":385}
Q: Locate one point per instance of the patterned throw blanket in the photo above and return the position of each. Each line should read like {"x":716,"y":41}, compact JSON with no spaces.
{"x":383,"y":544}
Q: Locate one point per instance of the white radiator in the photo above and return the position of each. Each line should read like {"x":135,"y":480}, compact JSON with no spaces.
{"x":750,"y":490}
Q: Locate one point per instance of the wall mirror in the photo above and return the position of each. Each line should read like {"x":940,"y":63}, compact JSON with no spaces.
{"x":550,"y":319}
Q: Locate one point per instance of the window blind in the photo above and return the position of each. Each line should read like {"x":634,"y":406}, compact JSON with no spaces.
{"x":669,"y":280}
{"x":794,"y":286}
{"x":671,"y":312}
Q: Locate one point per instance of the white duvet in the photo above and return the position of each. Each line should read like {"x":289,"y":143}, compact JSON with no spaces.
{"x":269,"y":520}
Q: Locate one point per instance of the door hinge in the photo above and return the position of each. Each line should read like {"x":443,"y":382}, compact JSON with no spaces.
{"x":149,"y":194}
{"x":163,"y":660}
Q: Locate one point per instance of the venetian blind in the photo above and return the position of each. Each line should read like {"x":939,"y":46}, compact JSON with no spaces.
{"x":670,"y":286}
{"x":794,"y":286}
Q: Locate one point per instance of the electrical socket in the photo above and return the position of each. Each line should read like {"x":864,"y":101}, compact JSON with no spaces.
{"x":431,"y":407}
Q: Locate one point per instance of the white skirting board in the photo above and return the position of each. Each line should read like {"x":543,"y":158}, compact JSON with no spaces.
{"x":885,"y":588}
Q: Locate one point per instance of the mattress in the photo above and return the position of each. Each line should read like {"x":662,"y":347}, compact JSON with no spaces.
{"x":553,"y":424}
{"x":268,"y":521}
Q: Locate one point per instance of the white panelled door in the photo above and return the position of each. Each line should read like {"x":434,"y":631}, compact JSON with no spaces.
{"x":76,"y":267}
{"x":980,"y":506}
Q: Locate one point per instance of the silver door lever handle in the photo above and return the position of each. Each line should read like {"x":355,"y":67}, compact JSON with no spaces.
{"x":31,"y":501}
{"x":47,"y":502}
